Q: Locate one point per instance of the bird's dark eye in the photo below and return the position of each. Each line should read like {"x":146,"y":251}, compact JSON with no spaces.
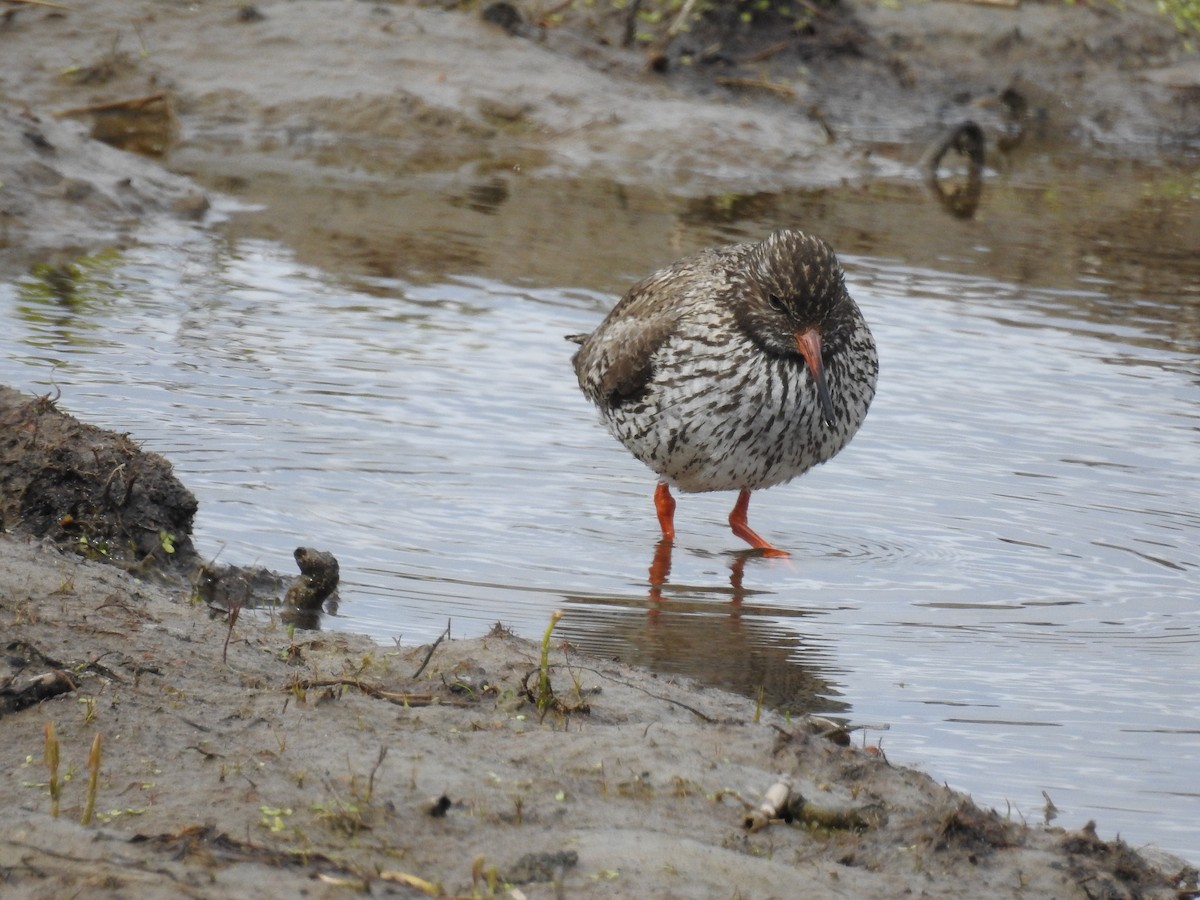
{"x":775,"y":302}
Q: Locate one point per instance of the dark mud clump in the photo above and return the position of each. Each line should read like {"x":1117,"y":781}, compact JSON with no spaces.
{"x":305,"y":598}
{"x":90,"y":491}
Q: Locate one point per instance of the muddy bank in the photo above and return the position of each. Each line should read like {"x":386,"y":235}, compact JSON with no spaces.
{"x":741,"y":98}
{"x":90,"y":490}
{"x":302,"y":108}
{"x":64,"y":195}
{"x":734,"y":86}
{"x":96,"y":494}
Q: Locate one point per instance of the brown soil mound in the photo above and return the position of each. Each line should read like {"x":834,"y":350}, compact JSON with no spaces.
{"x":91,"y":491}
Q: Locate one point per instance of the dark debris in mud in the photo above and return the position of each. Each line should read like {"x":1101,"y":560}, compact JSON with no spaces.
{"x":1112,"y":870}
{"x":976,"y":830}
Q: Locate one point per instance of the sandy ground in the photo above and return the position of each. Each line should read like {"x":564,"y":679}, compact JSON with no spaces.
{"x":247,"y":759}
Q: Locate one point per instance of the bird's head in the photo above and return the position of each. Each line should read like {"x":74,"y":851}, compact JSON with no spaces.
{"x":793,"y":301}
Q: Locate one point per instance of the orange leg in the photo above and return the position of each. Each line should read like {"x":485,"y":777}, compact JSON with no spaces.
{"x":737,"y":521}
{"x":664,"y":504}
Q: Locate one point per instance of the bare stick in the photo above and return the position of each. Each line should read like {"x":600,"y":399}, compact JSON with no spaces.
{"x":782,"y":90}
{"x":132,"y":103}
{"x":45,"y":3}
{"x":383,"y":752}
{"x":441,"y":637}
{"x":373,"y":690}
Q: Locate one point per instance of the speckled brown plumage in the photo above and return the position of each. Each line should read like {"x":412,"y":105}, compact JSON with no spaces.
{"x":737,"y":368}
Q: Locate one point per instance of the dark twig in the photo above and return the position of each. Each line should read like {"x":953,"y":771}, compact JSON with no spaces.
{"x":629,"y":684}
{"x":132,"y":104}
{"x":441,"y":637}
{"x":761,"y":84}
{"x":234,"y":611}
{"x":768,"y":52}
{"x":383,"y":752}
{"x":373,"y":690}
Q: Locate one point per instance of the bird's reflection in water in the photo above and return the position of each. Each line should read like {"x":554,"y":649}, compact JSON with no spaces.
{"x":660,"y":571}
{"x":737,"y":643}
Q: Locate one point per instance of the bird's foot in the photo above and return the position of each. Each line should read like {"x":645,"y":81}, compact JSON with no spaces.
{"x":741,"y":528}
{"x":770,"y":551}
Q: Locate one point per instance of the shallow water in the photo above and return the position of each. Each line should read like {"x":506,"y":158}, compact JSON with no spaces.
{"x":1001,"y":569}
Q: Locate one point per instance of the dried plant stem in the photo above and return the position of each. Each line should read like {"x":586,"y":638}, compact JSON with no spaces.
{"x":46,"y":3}
{"x":234,"y":611}
{"x":50,"y":754}
{"x":93,"y":779}
{"x":545,"y":695}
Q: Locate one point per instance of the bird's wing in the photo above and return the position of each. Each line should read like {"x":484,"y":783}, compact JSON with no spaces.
{"x":616,"y":361}
{"x":616,"y":366}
